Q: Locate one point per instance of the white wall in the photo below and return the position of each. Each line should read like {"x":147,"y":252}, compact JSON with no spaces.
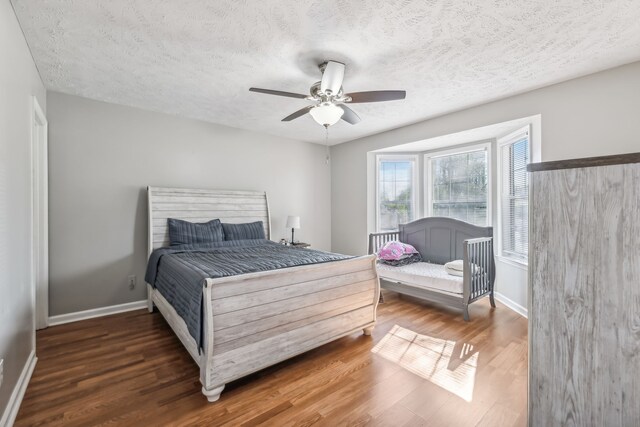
{"x":589,"y":116}
{"x":103,"y":156}
{"x":19,"y":81}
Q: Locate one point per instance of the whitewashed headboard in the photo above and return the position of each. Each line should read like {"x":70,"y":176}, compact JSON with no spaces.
{"x":198,"y":205}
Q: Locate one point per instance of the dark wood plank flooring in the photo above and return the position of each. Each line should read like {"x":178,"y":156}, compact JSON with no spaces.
{"x":423,"y":366}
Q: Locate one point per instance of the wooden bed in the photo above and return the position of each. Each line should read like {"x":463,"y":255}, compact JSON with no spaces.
{"x":252,"y":321}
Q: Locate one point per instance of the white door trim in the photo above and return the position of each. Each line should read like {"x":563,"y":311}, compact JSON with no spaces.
{"x":39,"y":216}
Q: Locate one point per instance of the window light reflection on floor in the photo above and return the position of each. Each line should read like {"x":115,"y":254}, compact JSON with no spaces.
{"x":445,"y":363}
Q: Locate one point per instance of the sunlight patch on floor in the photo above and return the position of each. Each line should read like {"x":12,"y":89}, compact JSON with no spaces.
{"x":447,"y":364}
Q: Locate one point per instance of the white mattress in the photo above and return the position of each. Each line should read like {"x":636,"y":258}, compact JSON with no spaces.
{"x":422,"y":275}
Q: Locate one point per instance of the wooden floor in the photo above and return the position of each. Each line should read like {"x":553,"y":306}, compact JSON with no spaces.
{"x":423,"y":366}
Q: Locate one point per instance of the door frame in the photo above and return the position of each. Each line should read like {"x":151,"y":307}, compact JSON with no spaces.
{"x":39,"y":216}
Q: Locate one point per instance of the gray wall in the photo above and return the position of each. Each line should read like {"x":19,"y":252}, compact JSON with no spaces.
{"x":101,"y":158}
{"x":19,"y":81}
{"x":589,"y":116}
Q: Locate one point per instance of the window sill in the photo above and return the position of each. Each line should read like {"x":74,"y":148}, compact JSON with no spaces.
{"x":513,"y":262}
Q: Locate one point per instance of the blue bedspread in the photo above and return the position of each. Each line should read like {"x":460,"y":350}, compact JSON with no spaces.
{"x":178,"y":272}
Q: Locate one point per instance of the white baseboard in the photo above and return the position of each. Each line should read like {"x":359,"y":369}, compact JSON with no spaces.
{"x":522,"y":311}
{"x":96,"y":312}
{"x":11,"y":411}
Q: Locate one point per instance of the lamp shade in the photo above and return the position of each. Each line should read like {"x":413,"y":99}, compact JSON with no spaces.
{"x":326,"y":114}
{"x":293,"y":222}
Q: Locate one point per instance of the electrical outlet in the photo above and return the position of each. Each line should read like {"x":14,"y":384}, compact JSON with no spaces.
{"x":1,"y":371}
{"x":132,"y":282}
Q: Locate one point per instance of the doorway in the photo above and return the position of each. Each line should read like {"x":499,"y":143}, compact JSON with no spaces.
{"x":39,"y":216}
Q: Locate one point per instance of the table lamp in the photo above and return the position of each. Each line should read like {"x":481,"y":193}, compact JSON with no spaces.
{"x":293,"y":222}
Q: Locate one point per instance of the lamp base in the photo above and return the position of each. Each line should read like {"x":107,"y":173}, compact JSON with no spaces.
{"x":292,"y":231}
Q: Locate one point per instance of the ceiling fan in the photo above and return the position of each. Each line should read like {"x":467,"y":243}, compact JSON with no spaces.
{"x":329,"y":98}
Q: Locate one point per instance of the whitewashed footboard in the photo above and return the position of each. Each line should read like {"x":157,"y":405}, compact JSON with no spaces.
{"x":256,"y":320}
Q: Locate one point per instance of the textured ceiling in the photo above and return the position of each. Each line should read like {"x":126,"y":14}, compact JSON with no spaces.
{"x":198,"y":58}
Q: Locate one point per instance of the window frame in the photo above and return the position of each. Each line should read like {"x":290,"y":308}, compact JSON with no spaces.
{"x":428,"y":175}
{"x":415,"y":181}
{"x":510,"y":139}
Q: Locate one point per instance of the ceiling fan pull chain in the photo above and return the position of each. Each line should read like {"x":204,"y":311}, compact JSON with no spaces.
{"x":326,"y":143}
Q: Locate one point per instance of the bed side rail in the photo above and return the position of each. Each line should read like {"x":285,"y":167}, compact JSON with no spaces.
{"x":378,"y":240}
{"x":479,"y":268}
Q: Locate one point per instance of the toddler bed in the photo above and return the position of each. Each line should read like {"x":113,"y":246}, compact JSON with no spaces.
{"x":440,"y":241}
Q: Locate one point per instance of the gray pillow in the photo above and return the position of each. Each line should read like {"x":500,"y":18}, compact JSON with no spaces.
{"x":251,"y":230}
{"x":185,"y":232}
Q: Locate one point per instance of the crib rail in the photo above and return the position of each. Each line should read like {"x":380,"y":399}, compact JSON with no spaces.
{"x":378,"y":240}
{"x":479,"y":268}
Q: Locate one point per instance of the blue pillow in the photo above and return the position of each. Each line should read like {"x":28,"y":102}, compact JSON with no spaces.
{"x":251,"y":230}
{"x":185,"y":232}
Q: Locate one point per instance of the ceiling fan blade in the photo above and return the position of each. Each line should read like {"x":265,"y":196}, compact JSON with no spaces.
{"x":298,"y":113}
{"x":277,"y":92}
{"x":349,"y":115}
{"x":332,"y":78}
{"x":376,"y":96}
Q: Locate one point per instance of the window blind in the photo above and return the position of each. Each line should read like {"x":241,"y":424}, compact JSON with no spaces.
{"x":515,"y":198}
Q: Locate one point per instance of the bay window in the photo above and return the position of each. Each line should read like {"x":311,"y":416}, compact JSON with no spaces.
{"x":396,"y":190}
{"x":457,"y":184}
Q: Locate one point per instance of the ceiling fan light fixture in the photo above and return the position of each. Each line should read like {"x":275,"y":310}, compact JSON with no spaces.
{"x":326,"y":114}
{"x":330,"y":103}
